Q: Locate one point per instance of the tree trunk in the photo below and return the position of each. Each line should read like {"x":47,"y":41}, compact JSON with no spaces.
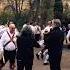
{"x":58,"y":9}
{"x":45,"y":5}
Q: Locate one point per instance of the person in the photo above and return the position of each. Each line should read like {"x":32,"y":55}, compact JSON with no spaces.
{"x":68,"y":39}
{"x":55,"y":45}
{"x":31,"y":24}
{"x":8,"y":44}
{"x":48,"y":27}
{"x":44,"y":51}
{"x":37,"y":31}
{"x":2,"y":30}
{"x":25,"y":52}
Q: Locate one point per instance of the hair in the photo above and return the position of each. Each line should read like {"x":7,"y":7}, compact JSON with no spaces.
{"x":10,"y":23}
{"x":26,"y":31}
{"x":49,"y":22}
{"x":56,"y":22}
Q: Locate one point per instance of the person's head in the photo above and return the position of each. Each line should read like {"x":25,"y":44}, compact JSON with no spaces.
{"x":12,"y":27}
{"x":36,"y":23}
{"x":49,"y":23}
{"x":56,"y":23}
{"x":26,"y":31}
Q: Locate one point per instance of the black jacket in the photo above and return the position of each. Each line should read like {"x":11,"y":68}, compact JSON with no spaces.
{"x":25,"y":44}
{"x":55,"y":40}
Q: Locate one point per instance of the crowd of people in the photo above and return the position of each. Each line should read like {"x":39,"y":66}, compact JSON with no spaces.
{"x":19,"y":45}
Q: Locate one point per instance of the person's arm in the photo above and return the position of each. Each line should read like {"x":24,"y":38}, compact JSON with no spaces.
{"x":18,"y":41}
{"x":35,"y":43}
{"x":2,"y":40}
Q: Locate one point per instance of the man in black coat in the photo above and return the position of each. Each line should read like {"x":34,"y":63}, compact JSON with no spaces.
{"x":55,"y":44}
{"x":25,"y":52}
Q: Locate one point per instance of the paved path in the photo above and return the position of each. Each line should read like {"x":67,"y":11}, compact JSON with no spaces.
{"x":38,"y":64}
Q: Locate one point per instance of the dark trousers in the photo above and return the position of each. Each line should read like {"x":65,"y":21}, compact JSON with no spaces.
{"x":10,"y":55}
{"x":55,"y":62}
{"x":21,"y":65}
{"x":37,"y":37}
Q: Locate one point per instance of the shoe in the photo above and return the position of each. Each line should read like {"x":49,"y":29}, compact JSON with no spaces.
{"x":45,"y":63}
{"x":37,"y":56}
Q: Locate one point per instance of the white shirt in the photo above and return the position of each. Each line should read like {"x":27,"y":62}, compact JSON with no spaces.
{"x":2,"y":30}
{"x":68,"y":34}
{"x":5,"y":38}
{"x":37,"y":29}
{"x":47,"y":28}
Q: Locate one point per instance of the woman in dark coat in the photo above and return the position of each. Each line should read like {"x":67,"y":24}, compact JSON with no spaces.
{"x":25,"y":52}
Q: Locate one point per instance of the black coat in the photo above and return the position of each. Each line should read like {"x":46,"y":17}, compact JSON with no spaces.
{"x":25,"y":44}
{"x":55,"y":41}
